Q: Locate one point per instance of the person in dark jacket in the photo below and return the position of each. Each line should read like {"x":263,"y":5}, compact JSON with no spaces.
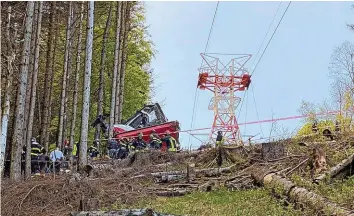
{"x":113,"y":148}
{"x":139,"y":143}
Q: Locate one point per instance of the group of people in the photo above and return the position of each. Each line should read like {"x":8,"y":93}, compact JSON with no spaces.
{"x":120,"y":148}
{"x":40,"y":161}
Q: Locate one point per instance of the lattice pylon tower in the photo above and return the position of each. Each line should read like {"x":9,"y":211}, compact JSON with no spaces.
{"x":224,"y":80}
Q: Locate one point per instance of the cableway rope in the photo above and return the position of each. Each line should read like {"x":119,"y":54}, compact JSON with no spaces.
{"x":267,"y":33}
{"x":271,"y":37}
{"x":254,"y":69}
{"x":196,"y":94}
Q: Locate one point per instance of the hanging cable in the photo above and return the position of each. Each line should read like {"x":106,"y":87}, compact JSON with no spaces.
{"x":196,"y":90}
{"x":255,"y":105}
{"x":271,"y":37}
{"x":267,"y":32}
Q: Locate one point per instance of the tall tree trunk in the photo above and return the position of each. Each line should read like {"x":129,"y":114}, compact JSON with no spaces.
{"x":17,"y":139}
{"x":121,"y":39}
{"x":63,"y":91}
{"x":30,"y":71}
{"x":103,"y":60}
{"x":11,"y":55}
{"x":77,"y":77}
{"x":33,"y":89}
{"x":49,"y":120}
{"x":69,"y":73}
{"x":48,"y":74}
{"x":87,"y":83}
{"x":115,"y":70}
{"x":2,"y":156}
{"x":124,"y":60}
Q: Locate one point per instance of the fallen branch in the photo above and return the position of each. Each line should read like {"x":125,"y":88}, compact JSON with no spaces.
{"x":283,"y":158}
{"x":336,"y":169}
{"x":301,"y":163}
{"x":284,"y":187}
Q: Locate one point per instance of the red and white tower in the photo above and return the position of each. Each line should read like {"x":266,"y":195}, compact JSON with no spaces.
{"x":224,"y":80}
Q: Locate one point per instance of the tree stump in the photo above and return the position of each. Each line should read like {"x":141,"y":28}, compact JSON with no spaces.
{"x":89,"y":204}
{"x":273,"y":150}
{"x":191,"y":173}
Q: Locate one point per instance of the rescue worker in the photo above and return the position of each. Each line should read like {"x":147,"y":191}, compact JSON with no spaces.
{"x":155,"y":140}
{"x":170,"y":142}
{"x":314,"y":127}
{"x":123,"y":149}
{"x":93,"y":151}
{"x":139,"y":143}
{"x":219,"y":139}
{"x":36,"y":151}
{"x":113,"y":148}
{"x":56,"y":157}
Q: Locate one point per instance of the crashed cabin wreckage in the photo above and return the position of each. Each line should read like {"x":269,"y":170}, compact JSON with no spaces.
{"x":149,"y":118}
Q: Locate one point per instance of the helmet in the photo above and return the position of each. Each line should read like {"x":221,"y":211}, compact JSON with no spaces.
{"x":219,"y":132}
{"x":33,"y":139}
{"x":168,"y":132}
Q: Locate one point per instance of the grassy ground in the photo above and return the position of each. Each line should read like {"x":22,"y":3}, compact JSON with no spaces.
{"x":251,"y":202}
{"x":341,"y":192}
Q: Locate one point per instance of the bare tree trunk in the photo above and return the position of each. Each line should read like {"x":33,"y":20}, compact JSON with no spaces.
{"x":69,"y":73}
{"x":124,"y":60}
{"x":33,"y":89}
{"x":115,"y":70}
{"x":87,"y":82}
{"x":30,"y":71}
{"x":121,"y":47}
{"x":77,"y":77}
{"x":48,"y":75}
{"x":11,"y":55}
{"x":63,"y":91}
{"x":17,"y":139}
{"x":2,"y":144}
{"x":103,"y":60}
{"x":49,"y":120}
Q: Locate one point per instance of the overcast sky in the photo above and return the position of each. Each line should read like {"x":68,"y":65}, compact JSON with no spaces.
{"x":294,"y":67}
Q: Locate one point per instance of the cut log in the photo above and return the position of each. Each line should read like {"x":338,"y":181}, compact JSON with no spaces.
{"x":89,"y":204}
{"x":191,"y":173}
{"x":214,"y":171}
{"x":169,"y":178}
{"x":284,"y":187}
{"x":172,"y":193}
{"x":123,"y":212}
{"x":334,"y":171}
{"x":160,"y":174}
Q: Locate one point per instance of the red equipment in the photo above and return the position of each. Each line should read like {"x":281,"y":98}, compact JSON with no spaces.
{"x":161,"y":129}
{"x":224,"y":81}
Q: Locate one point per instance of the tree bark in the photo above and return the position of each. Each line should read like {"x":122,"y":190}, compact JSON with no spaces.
{"x":115,"y":70}
{"x":33,"y":88}
{"x":87,"y":81}
{"x":11,"y":55}
{"x":124,"y":60}
{"x":30,"y":71}
{"x":336,"y":169}
{"x":48,"y":75}
{"x":103,"y":60}
{"x":17,"y":139}
{"x":69,"y":73}
{"x":2,"y":144}
{"x":63,"y":91}
{"x":121,"y":47}
{"x":284,"y":187}
{"x":77,"y":78}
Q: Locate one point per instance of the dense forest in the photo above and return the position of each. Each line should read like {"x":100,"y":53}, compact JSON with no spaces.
{"x":65,"y":63}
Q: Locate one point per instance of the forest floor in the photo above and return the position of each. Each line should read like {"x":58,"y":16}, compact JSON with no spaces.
{"x":163,"y":182}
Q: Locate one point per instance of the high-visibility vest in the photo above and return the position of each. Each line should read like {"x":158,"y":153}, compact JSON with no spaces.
{"x":36,"y":150}
{"x":74,"y":150}
{"x":221,"y":142}
{"x":172,"y":145}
